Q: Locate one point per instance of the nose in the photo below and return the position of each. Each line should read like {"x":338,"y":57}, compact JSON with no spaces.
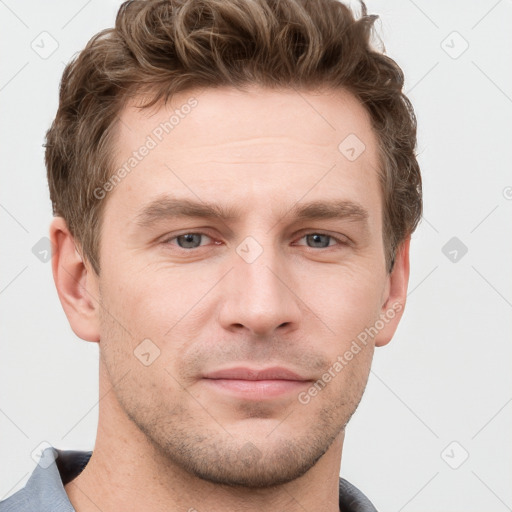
{"x":260,"y":296}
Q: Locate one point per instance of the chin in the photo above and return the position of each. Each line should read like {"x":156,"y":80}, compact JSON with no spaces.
{"x":248,"y":467}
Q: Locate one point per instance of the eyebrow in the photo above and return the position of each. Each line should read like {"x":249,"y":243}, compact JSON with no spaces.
{"x":166,"y":207}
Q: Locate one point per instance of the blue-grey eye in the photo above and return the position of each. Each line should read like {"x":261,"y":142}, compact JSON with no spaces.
{"x":190,"y":239}
{"x":316,"y":238}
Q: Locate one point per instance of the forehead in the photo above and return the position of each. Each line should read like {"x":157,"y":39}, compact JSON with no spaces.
{"x":226,"y":115}
{"x":225,"y":145}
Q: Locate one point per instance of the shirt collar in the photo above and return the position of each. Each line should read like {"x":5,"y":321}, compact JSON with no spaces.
{"x":44,"y":491}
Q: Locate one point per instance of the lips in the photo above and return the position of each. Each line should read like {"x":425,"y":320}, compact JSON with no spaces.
{"x":255,"y":384}
{"x":241,"y":373}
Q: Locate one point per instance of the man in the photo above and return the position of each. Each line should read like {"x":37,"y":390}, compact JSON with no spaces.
{"x":234,"y":186}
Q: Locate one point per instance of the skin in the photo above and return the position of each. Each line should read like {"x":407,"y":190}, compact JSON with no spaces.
{"x":167,"y":439}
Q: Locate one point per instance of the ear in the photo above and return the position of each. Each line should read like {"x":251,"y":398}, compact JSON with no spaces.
{"x":395,"y":294}
{"x":77,"y":285}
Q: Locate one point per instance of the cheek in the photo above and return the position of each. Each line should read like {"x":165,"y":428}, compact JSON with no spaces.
{"x":150,"y":302}
{"x":338,"y":391}
{"x":132,"y":353}
{"x":348,"y":302}
{"x":169,"y":308}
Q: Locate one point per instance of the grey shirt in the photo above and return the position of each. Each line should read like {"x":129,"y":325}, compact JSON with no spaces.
{"x":44,"y":491}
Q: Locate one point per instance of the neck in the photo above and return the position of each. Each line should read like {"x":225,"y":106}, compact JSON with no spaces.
{"x":126,"y":472}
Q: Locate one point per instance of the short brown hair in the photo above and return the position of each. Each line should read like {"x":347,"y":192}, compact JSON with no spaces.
{"x":161,"y":47}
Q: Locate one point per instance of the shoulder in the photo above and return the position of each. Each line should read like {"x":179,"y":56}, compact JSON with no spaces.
{"x":44,"y":490}
{"x":352,"y":499}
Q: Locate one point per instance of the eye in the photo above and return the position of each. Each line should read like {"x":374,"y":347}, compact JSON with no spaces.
{"x":187,"y":240}
{"x":321,"y":240}
{"x":192,"y":240}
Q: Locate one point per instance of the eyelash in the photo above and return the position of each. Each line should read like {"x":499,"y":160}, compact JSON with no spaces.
{"x":340,"y":242}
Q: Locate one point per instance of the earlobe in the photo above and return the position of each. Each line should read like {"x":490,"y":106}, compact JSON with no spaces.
{"x":77,"y":285}
{"x":395,"y":295}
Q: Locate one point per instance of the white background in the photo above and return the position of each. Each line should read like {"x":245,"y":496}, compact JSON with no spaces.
{"x":446,"y":375}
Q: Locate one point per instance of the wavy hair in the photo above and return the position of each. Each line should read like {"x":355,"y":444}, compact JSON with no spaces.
{"x":158,"y":48}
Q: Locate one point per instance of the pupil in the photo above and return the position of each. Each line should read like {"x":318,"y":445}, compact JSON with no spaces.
{"x":188,"y":239}
{"x":318,"y":239}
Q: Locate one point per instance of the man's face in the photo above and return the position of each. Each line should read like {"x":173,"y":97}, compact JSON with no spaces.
{"x":263,"y":288}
